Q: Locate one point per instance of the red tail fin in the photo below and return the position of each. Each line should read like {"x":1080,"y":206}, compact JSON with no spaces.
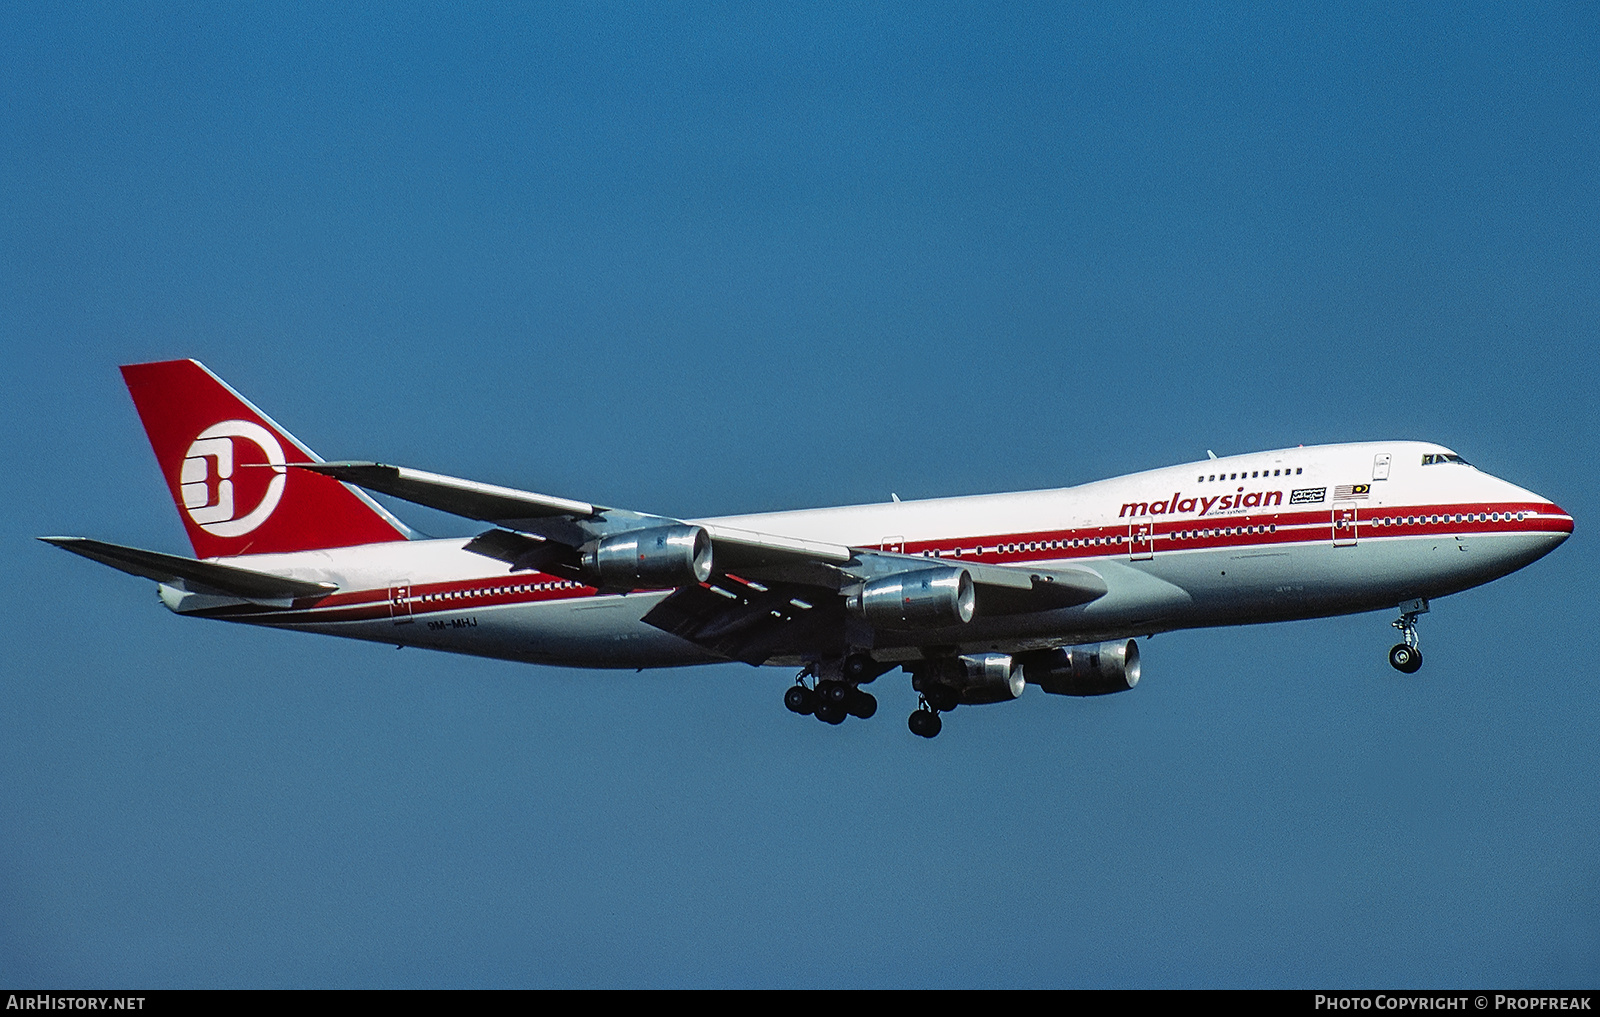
{"x":224,"y":461}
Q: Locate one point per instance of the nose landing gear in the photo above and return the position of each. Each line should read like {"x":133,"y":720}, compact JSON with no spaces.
{"x":1406,"y":657}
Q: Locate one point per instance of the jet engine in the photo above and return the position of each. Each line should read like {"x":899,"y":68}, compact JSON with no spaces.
{"x":1096,"y":669}
{"x":923,"y":598}
{"x":653,"y":559}
{"x":971,"y":678}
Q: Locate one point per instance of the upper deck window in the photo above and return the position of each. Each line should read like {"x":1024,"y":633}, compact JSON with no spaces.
{"x":1434,"y":458}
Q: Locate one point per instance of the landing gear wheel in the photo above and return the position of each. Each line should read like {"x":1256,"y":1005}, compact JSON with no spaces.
{"x":861,"y":704}
{"x":1404,"y":658}
{"x":800,"y":699}
{"x":829,"y":713}
{"x":858,"y":667}
{"x":833,"y":692}
{"x":925,"y":723}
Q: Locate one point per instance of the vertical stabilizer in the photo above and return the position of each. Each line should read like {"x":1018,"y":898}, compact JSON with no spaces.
{"x":226,"y":464}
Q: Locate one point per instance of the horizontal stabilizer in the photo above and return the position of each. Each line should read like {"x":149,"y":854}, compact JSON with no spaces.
{"x":197,"y":576}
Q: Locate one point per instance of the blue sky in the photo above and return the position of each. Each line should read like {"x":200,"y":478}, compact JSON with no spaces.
{"x":704,"y":260}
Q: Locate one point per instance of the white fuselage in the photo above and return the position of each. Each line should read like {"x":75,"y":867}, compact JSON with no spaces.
{"x":1269,"y":536}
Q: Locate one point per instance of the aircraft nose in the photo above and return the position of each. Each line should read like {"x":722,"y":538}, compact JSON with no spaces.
{"x":1545,"y":515}
{"x":1556,"y":519}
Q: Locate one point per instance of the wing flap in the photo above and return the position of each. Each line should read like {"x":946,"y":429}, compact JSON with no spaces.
{"x":750,"y":621}
{"x":198,"y":576}
{"x":524,"y":552}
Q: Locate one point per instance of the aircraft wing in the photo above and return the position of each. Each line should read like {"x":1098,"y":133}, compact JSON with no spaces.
{"x":769,"y":593}
{"x":561,"y":519}
{"x":196,"y":576}
{"x":564,"y":521}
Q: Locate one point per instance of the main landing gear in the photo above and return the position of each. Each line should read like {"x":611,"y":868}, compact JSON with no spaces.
{"x":936,"y":698}
{"x":830,"y":691}
{"x":832,"y":698}
{"x":924,"y":721}
{"x":1406,"y":657}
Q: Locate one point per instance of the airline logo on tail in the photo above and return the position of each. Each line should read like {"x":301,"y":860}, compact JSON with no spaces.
{"x":206,"y":478}
{"x":229,"y":469}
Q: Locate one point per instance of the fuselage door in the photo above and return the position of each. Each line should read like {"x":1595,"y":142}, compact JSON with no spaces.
{"x":1380,"y":466}
{"x":1141,"y":541}
{"x":893,"y":545}
{"x":400,"y":603}
{"x":1344,"y":524}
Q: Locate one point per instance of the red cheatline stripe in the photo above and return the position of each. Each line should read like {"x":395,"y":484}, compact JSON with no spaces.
{"x":1246,"y":530}
{"x":1194,"y":534}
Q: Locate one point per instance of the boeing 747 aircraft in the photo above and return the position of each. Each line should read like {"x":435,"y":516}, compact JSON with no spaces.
{"x":975,"y":597}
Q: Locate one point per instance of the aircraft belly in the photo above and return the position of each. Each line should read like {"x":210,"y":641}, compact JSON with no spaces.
{"x":602,"y":632}
{"x":1308,"y":580}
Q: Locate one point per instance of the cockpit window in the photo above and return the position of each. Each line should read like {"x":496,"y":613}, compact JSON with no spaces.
{"x":1434,"y":458}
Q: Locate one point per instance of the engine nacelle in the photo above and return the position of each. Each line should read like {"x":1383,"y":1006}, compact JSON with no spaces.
{"x":1096,"y":669}
{"x":925,"y":598}
{"x":971,"y":678}
{"x":653,"y":559}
